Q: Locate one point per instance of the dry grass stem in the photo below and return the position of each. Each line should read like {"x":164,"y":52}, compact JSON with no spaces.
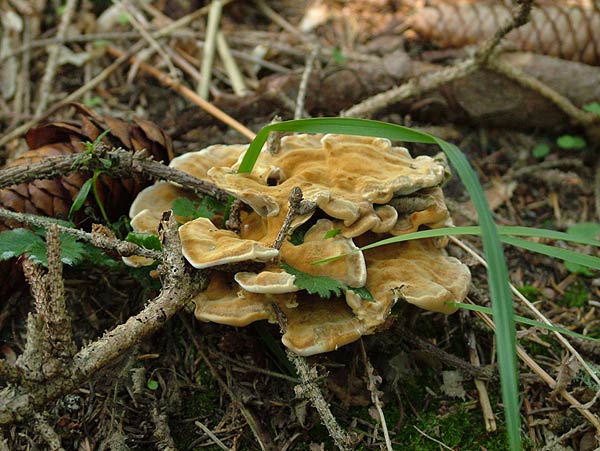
{"x":208,"y":52}
{"x":212,"y":436}
{"x":233,"y":71}
{"x":299,"y":112}
{"x":53,"y":53}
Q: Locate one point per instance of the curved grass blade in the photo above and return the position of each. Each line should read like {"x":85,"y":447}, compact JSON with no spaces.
{"x":551,"y":251}
{"x":497,"y":271}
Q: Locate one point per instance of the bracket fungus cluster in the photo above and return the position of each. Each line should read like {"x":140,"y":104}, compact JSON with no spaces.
{"x":363,"y":190}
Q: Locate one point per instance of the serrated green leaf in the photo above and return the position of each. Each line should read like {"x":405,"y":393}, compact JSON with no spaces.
{"x":183,"y":207}
{"x":71,"y":251}
{"x":332,"y":233}
{"x":325,"y":287}
{"x":541,"y":150}
{"x":81,"y":197}
{"x":16,"y":242}
{"x":571,"y":142}
{"x":145,"y":240}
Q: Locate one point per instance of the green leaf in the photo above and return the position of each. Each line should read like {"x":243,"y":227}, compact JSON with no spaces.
{"x":145,"y":240}
{"x":72,"y":252}
{"x":571,"y":142}
{"x":593,"y":107}
{"x":541,"y":150}
{"x":14,"y":243}
{"x":81,"y":197}
{"x":524,"y":320}
{"x":183,"y":207}
{"x":364,"y":293}
{"x":152,"y":384}
{"x":325,"y":287}
{"x":332,"y":233}
{"x":188,"y":209}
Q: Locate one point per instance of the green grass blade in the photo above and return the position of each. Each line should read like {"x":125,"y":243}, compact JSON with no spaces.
{"x":556,"y":252}
{"x":497,"y":271}
{"x":524,"y":320}
{"x":551,"y":251}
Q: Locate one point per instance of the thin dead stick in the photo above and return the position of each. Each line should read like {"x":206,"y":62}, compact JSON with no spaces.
{"x":123,"y":248}
{"x":53,"y":54}
{"x":275,"y":17}
{"x":310,"y":390}
{"x":18,"y":131}
{"x":187,"y":93}
{"x":263,"y":439}
{"x":208,"y":52}
{"x":310,"y":62}
{"x":374,"y":381}
{"x":297,"y":207}
{"x":576,"y":115}
{"x":124,"y":163}
{"x":484,"y":399}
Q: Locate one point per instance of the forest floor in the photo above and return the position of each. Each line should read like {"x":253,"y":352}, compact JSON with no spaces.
{"x":192,"y":383}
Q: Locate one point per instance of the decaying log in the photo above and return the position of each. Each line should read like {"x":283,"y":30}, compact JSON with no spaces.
{"x":483,"y":98}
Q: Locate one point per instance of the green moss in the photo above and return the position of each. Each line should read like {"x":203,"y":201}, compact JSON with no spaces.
{"x":576,"y":295}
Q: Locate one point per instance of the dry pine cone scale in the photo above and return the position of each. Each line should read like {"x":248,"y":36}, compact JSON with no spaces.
{"x":54,"y":197}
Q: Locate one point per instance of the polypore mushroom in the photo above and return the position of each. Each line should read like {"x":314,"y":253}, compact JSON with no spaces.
{"x":417,"y":271}
{"x":319,"y":325}
{"x":267,"y":282}
{"x":205,"y":246}
{"x":350,"y":270}
{"x":343,"y":175}
{"x":224,"y":302}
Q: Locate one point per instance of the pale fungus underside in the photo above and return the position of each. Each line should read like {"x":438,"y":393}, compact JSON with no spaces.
{"x":364,"y":189}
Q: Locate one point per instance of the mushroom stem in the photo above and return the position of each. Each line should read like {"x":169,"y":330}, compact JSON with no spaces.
{"x":297,"y":207}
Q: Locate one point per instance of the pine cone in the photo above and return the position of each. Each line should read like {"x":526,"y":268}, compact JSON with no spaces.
{"x":54,"y":197}
{"x":565,"y":31}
